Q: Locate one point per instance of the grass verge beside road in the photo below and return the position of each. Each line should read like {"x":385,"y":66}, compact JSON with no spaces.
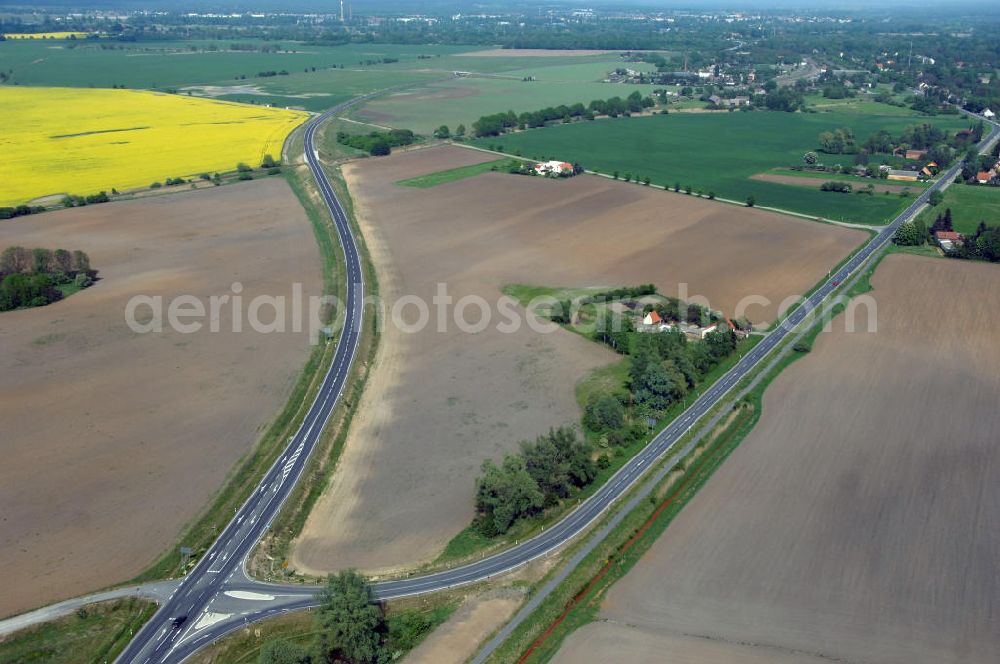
{"x":269,"y":558}
{"x":454,"y":174}
{"x":409,"y":621}
{"x":95,"y":633}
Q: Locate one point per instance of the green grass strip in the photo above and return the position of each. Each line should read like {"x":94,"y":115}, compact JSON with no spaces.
{"x":454,"y":174}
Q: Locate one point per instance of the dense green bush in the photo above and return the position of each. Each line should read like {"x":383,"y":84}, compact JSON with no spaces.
{"x":377,"y":143}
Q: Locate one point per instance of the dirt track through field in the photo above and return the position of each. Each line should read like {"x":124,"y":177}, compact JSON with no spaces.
{"x":857,"y":522}
{"x":533,"y":52}
{"x":438,"y":404}
{"x":816,"y":183}
{"x":113,"y":440}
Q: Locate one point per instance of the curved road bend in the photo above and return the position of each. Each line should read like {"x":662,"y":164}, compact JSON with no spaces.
{"x":156,"y":640}
{"x":219,"y":598}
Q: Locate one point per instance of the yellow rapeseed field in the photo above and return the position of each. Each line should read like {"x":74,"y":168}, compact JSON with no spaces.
{"x":46,"y":35}
{"x":82,"y":141}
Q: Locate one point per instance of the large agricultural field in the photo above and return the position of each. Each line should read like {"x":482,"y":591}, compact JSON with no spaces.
{"x":73,"y":141}
{"x":175,"y":64}
{"x":463,"y":100}
{"x":436,"y":405}
{"x":720,"y":152}
{"x":854,"y":523}
{"x":316,"y":76}
{"x":113,"y":440}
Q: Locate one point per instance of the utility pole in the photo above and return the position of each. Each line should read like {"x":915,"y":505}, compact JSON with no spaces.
{"x":341,"y":11}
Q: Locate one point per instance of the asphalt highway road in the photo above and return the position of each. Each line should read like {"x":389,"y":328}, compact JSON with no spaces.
{"x":157,"y":640}
{"x":218,"y":597}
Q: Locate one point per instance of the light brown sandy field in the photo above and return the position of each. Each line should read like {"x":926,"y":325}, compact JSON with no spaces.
{"x":438,"y":404}
{"x":857,"y":522}
{"x":113,"y":440}
{"x":458,"y":638}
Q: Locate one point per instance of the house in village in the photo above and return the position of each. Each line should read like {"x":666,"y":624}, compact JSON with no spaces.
{"x":554,"y":168}
{"x":949,"y":240}
{"x":988,"y":114}
{"x":698,"y":332}
{"x":653,"y":322}
{"x":985,"y":177}
{"x":731,"y":103}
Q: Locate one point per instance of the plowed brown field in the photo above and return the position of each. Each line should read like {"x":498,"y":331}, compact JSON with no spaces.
{"x":857,"y":522}
{"x":113,"y":440}
{"x":438,"y":404}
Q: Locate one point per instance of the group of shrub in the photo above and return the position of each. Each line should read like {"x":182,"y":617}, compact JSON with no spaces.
{"x":244,"y":171}
{"x":499,"y":123}
{"x":74,"y":200}
{"x":20,"y":211}
{"x":33,"y":277}
{"x":553,"y":467}
{"x":839,"y":187}
{"x":377,"y":143}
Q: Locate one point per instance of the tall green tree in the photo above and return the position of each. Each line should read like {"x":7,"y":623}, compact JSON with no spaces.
{"x":503,"y":493}
{"x":546,"y":466}
{"x":906,"y":235}
{"x":576,"y":453}
{"x":604,"y":413}
{"x":350,"y":624}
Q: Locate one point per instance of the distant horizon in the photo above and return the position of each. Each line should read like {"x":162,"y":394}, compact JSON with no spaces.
{"x":438,"y":6}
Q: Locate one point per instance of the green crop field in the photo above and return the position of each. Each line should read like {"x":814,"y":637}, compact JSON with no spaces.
{"x":719,"y":152}
{"x":861,"y":105}
{"x":969,"y":205}
{"x":316,"y":91}
{"x":464,"y":100}
{"x":178,"y":64}
{"x":213,"y":68}
{"x":455,"y":174}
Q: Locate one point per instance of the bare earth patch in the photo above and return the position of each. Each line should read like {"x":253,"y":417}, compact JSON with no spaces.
{"x":438,"y":404}
{"x":857,"y":522}
{"x":427,"y":94}
{"x":113,"y":440}
{"x":816,"y":183}
{"x":608,"y":641}
{"x":459,"y":637}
